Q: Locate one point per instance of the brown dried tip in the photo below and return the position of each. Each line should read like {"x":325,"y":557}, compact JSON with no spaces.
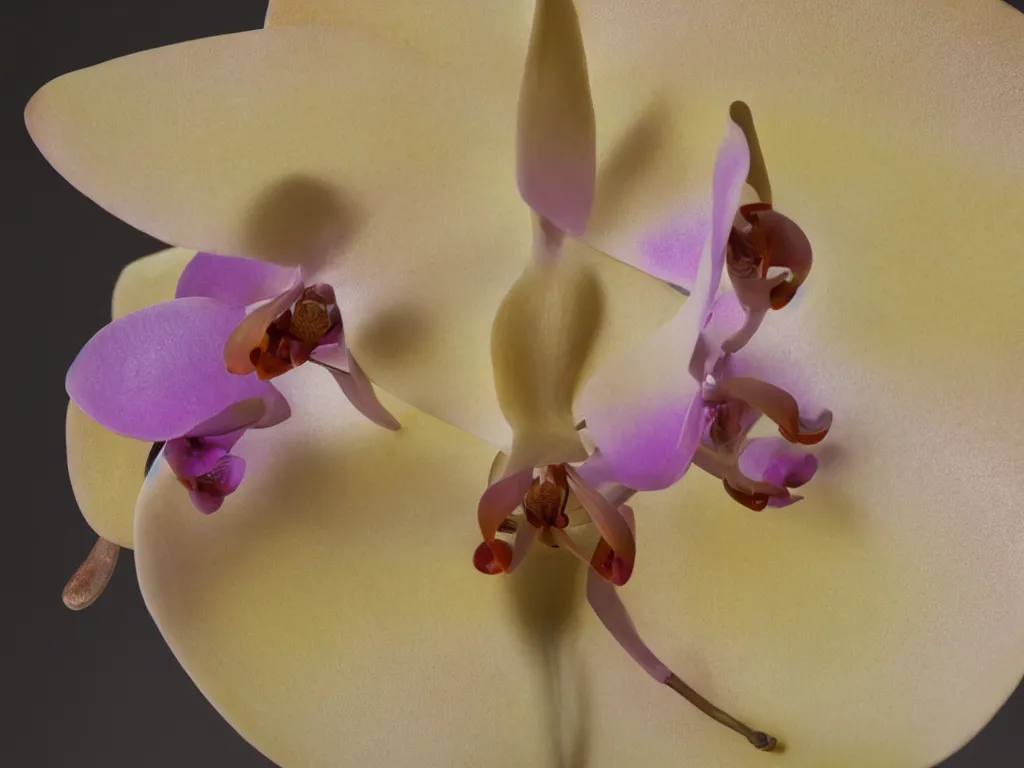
{"x":759,"y":739}
{"x":92,"y":576}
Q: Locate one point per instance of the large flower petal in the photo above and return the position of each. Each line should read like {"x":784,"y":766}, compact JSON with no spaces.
{"x":158,"y":373}
{"x":106,"y":469}
{"x":642,"y":407}
{"x":448,"y":233}
{"x":555,"y":136}
{"x":846,"y":625}
{"x":335,"y":581}
{"x":541,"y":343}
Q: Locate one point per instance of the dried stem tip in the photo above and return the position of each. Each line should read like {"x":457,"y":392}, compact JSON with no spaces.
{"x":92,"y":576}
{"x":759,"y":739}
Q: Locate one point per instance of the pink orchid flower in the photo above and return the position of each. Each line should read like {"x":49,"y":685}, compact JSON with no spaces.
{"x":328,"y":621}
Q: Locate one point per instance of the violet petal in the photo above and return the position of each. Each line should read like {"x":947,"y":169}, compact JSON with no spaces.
{"x":158,"y":373}
{"x":233,"y":280}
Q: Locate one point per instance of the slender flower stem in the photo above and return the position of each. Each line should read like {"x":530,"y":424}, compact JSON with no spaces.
{"x":759,"y":739}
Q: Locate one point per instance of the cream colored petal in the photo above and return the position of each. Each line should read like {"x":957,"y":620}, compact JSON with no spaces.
{"x":149,"y":281}
{"x":331,"y":603}
{"x":334,"y":594}
{"x":541,"y":343}
{"x":107,"y":470}
{"x":421,"y":278}
{"x":555,"y":132}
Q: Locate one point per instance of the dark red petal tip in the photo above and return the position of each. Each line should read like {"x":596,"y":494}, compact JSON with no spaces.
{"x":754,"y":501}
{"x":492,"y":557}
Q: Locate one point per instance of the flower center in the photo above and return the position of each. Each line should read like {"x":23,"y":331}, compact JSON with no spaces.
{"x":296,"y":332}
{"x":544,"y":503}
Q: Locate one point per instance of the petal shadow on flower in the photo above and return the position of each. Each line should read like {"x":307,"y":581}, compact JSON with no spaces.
{"x":394,"y":333}
{"x":302,"y":221}
{"x":627,"y":164}
{"x":547,"y":593}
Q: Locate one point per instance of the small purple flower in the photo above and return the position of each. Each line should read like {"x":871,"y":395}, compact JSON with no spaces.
{"x":158,"y":375}
{"x":294,"y":324}
{"x":651,"y":427}
{"x":205,"y":466}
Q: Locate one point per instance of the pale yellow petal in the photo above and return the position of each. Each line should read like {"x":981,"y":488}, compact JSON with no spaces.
{"x":541,"y":343}
{"x":555,"y":133}
{"x":106,"y":472}
{"x":149,"y":281}
{"x":106,"y":469}
{"x":421,"y":278}
{"x":334,"y":591}
{"x":334,"y":594}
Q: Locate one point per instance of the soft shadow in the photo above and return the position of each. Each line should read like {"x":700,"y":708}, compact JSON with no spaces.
{"x":303,"y":221}
{"x":395,"y":334}
{"x":629,"y":162}
{"x":547,"y":592}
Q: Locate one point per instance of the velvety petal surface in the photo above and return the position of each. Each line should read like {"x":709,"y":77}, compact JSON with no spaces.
{"x":233,"y":280}
{"x":159,"y":373}
{"x":846,"y":625}
{"x":555,"y":135}
{"x":541,"y":343}
{"x":421,"y":277}
{"x":105,"y":468}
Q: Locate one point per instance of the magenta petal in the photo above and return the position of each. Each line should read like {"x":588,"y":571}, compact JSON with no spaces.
{"x":207,"y":503}
{"x":658,"y":448}
{"x":731,"y":167}
{"x":673,"y":252}
{"x":233,"y":280}
{"x":225,"y":477}
{"x":158,"y":373}
{"x":359,"y":391}
{"x":192,"y":457}
{"x":244,"y":413}
{"x":604,"y":599}
{"x":776,"y":461}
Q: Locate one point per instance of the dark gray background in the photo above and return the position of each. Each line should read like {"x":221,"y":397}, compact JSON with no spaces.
{"x":100,"y":688}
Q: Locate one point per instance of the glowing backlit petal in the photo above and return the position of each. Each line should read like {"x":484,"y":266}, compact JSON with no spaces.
{"x":830,"y":624}
{"x":555,"y":135}
{"x":541,"y":344}
{"x":417,"y":309}
{"x":106,"y":469}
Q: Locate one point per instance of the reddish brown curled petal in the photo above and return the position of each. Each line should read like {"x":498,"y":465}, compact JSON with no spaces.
{"x":754,"y":501}
{"x":500,"y":500}
{"x":493,"y":557}
{"x":775,"y":403}
{"x":250,"y":332}
{"x":610,"y":522}
{"x":788,"y":247}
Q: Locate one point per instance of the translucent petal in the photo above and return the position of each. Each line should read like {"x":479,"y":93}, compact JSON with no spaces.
{"x":555,"y":133}
{"x":640,"y":403}
{"x":419,"y":280}
{"x":106,"y":469}
{"x":279,"y":608}
{"x":541,"y":344}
